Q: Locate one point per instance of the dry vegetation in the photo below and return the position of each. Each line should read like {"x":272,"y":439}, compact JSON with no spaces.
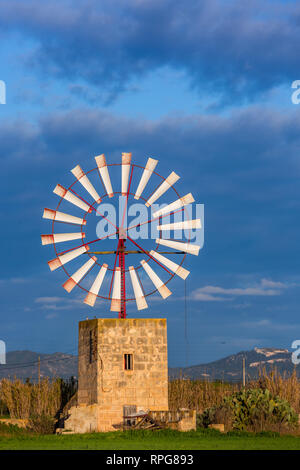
{"x":24,"y":400}
{"x":199,"y":395}
{"x":39,"y":401}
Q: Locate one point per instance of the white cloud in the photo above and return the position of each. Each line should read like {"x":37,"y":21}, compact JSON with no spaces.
{"x":198,"y":294}
{"x":256,"y":324}
{"x":273,"y":284}
{"x":15,"y":280}
{"x":266,"y":287}
{"x":56,"y":307}
{"x":58,"y":303}
{"x":40,"y":300}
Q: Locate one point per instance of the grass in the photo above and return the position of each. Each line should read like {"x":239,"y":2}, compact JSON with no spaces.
{"x":182,"y":394}
{"x":12,"y":438}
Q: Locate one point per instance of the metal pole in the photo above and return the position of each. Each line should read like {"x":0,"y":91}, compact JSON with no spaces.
{"x":122,"y":313}
{"x":39,"y":370}
{"x":244,"y":373}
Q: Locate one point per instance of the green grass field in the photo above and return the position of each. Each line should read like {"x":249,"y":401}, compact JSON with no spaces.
{"x":14,"y":439}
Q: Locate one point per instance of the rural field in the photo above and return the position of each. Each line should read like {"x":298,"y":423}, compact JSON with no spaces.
{"x":14,"y":439}
{"x":264,"y":415}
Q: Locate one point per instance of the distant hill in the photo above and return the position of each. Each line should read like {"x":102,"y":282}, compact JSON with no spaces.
{"x":24,"y":364}
{"x":230,"y":368}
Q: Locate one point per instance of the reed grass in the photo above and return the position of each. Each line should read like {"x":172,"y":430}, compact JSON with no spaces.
{"x":199,"y":394}
{"x":24,"y":400}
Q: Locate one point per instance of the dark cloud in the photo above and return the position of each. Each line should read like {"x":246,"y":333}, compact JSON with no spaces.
{"x":244,"y":168}
{"x":233,"y":49}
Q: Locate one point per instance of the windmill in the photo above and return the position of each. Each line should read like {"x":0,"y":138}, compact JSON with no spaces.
{"x":90,"y":202}
{"x":123,"y":365}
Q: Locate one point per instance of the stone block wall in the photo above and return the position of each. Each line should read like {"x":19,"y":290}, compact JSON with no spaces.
{"x":103,"y":379}
{"x":87,"y":366}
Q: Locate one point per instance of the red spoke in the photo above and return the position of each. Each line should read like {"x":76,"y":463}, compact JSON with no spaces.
{"x":156,"y":218}
{"x":137,"y":273}
{"x":103,"y":238}
{"x":93,"y":208}
{"x":78,"y":283}
{"x":76,"y":194}
{"x":87,"y":243}
{"x":100,"y":177}
{"x":105,"y":218}
{"x":148,"y":254}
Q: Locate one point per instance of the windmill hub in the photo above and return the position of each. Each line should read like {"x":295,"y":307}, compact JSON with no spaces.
{"x":122,"y":233}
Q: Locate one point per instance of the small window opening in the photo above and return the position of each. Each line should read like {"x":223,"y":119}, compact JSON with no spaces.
{"x":128,"y":361}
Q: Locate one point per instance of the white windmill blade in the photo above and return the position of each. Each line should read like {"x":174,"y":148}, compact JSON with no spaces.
{"x":85,"y":182}
{"x":181,"y":246}
{"x":183,"y":201}
{"x":186,"y":224}
{"x":103,"y":169}
{"x":160,"y":286}
{"x":64,"y":259}
{"x":126,"y":162}
{"x":149,"y":168}
{"x":61,"y":237}
{"x":62,"y":217}
{"x":179,"y":270}
{"x":78,"y":275}
{"x":169,"y":181}
{"x":138,"y":293}
{"x":69,"y":196}
{"x":116,"y":295}
{"x":94,"y":290}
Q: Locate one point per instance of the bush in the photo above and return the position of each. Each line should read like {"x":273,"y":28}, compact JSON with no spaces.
{"x":252,"y":410}
{"x":42,"y":424}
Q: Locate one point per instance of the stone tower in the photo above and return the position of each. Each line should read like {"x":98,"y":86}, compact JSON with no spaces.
{"x":122,"y":369}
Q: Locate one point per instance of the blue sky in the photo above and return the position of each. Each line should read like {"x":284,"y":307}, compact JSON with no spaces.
{"x":204,"y":87}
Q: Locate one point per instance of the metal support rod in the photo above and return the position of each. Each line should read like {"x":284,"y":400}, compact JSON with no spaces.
{"x":130,"y":252}
{"x":122,"y":313}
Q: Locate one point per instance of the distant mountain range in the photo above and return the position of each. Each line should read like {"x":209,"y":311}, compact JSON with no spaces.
{"x":24,"y":364}
{"x":230,"y":368}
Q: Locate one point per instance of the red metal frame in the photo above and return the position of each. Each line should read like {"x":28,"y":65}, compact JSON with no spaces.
{"x":122,"y":313}
{"x":120,"y":255}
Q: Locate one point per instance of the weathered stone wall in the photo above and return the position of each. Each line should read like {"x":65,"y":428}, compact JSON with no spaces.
{"x":107,"y":383}
{"x":181,"y":420}
{"x":188,"y":421}
{"x":82,"y":419}
{"x":87,"y":371}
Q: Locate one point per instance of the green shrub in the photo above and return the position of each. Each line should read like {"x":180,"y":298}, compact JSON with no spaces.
{"x":42,"y":424}
{"x":207,"y":417}
{"x":252,"y":409}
